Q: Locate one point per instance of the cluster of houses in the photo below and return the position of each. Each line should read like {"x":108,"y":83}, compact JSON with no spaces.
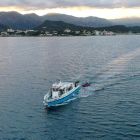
{"x":12,"y":32}
{"x":66,"y":32}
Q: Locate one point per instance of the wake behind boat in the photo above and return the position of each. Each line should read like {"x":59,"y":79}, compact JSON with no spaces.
{"x":61,"y":93}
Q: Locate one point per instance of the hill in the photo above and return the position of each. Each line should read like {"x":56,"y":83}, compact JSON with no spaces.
{"x":19,"y":21}
{"x":134,"y":21}
{"x":57,"y":26}
{"x":60,"y":26}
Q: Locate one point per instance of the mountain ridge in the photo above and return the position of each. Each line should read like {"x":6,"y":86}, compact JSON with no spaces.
{"x":80,"y":21}
{"x":16,"y":20}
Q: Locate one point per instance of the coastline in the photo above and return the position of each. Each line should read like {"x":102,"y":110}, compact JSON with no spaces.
{"x":72,"y":35}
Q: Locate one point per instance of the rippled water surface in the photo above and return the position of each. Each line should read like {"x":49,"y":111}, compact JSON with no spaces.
{"x":108,"y":110}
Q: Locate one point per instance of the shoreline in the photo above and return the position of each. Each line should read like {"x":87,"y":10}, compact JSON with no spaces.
{"x":74,"y":35}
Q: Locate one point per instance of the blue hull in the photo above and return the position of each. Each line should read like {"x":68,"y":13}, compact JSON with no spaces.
{"x":65,"y":99}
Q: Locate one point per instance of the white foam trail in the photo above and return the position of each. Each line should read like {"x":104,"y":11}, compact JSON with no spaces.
{"x":85,"y":92}
{"x":118,"y":65}
{"x":110,"y":74}
{"x":115,"y":68}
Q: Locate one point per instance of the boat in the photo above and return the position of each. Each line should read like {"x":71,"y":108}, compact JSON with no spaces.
{"x":61,"y":93}
{"x":87,"y":84}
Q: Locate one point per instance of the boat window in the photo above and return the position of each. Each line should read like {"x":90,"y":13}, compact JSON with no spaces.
{"x":55,"y":89}
{"x":70,"y":88}
{"x":61,"y":92}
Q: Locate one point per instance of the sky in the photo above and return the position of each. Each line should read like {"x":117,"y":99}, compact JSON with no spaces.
{"x":109,"y":9}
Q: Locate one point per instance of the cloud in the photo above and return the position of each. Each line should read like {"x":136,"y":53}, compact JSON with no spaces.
{"x":42,"y":4}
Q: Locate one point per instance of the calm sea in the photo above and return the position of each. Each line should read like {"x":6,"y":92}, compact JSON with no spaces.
{"x":108,"y":110}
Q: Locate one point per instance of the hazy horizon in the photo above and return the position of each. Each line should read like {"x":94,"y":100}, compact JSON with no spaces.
{"x":68,"y":15}
{"x":107,"y":9}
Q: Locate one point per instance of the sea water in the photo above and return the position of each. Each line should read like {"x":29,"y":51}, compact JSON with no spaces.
{"x":107,"y":110}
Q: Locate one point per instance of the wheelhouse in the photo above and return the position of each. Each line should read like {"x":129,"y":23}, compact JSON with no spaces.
{"x":59,"y":89}
{"x":61,"y":92}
